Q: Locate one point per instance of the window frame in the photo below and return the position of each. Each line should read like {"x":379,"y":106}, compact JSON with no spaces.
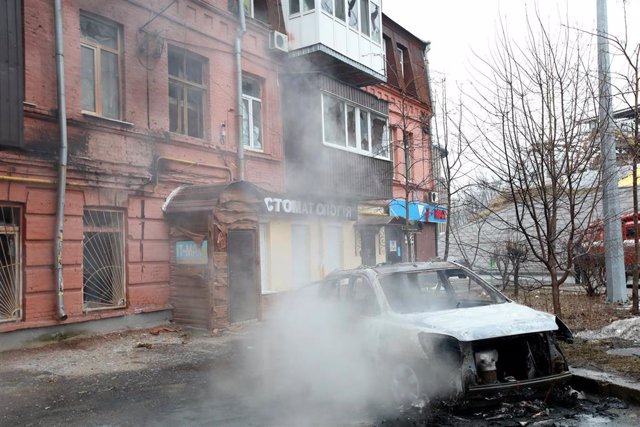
{"x":301,"y":6}
{"x":250,"y":100}
{"x":123,"y":302}
{"x":185,"y":84}
{"x":15,"y":229}
{"x":358,"y":134}
{"x":97,"y":65}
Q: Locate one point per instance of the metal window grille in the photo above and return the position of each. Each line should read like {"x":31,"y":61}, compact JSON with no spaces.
{"x":10,"y":264}
{"x":103,"y":260}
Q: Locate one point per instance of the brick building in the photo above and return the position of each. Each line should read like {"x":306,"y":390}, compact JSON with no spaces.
{"x":415,"y":174}
{"x":150,"y":106}
{"x":158,"y":219}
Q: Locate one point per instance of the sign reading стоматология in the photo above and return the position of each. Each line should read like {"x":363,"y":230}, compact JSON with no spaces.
{"x":319,"y":208}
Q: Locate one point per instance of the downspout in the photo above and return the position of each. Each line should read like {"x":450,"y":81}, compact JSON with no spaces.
{"x":62,"y":177}
{"x":238,"y":51}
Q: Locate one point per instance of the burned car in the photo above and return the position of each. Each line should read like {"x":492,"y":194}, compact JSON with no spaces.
{"x":438,"y":330}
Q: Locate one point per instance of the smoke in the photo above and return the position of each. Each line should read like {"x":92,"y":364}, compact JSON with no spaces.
{"x":308,"y":365}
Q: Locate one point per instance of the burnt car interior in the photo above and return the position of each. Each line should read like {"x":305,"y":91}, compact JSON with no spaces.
{"x":517,"y":358}
{"x":423,"y":291}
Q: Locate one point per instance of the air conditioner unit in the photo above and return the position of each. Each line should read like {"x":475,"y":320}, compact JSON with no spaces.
{"x":433,"y":197}
{"x":278,"y":41}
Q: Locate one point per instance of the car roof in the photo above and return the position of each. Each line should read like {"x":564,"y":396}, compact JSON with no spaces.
{"x":399,"y":267}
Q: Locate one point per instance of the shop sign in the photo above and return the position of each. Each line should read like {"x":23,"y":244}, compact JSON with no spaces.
{"x":190,"y":253}
{"x":418,"y":211}
{"x":298,"y":207}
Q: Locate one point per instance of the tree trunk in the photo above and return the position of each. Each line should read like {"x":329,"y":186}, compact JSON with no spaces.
{"x":555,"y":292}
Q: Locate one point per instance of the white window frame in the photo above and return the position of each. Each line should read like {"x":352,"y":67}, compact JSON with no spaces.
{"x":301,"y":10}
{"x":250,"y":100}
{"x":358,"y":148}
{"x":97,"y":49}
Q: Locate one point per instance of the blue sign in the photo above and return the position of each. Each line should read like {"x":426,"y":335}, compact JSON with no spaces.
{"x":189,"y":252}
{"x":417,"y":211}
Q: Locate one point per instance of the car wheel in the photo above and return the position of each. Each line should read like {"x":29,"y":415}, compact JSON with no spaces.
{"x":406,"y":383}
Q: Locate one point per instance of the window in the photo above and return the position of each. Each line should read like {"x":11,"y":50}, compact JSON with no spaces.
{"x":400,"y":54}
{"x":334,"y":122}
{"x":354,"y":128}
{"x":364,"y":17}
{"x":379,"y":136}
{"x":333,"y":247}
{"x":340,"y":10}
{"x":103,"y":260}
{"x":327,"y":6}
{"x":10,"y":268}
{"x":100,"y":66}
{"x":300,"y":245}
{"x":251,"y":114}
{"x":353,"y":14}
{"x":256,"y":9}
{"x":187,"y":90}
{"x":375,"y":23}
{"x":294,"y":6}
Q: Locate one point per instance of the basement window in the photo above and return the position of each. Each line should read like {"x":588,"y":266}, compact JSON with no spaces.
{"x":103,"y":260}
{"x":10,"y":268}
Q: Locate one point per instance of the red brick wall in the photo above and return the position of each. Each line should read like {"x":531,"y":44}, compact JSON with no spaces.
{"x":111,"y":164}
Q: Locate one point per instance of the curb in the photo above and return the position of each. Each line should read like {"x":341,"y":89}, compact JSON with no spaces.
{"x":606,"y":384}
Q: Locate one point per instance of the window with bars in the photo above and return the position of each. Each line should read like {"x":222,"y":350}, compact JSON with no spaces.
{"x":10,"y":264}
{"x":187,"y":92}
{"x":251,"y":113}
{"x":100,"y":64}
{"x":103,"y":259}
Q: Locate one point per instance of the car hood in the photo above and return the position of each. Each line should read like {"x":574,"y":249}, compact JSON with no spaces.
{"x":478,"y":323}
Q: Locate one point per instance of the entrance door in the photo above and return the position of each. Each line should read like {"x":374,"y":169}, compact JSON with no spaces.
{"x":368,"y":247}
{"x":243,"y":275}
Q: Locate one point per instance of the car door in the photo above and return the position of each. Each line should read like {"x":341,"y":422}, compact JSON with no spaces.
{"x":365,"y":311}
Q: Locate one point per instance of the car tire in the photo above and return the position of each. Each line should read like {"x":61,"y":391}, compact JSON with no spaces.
{"x":407,"y":384}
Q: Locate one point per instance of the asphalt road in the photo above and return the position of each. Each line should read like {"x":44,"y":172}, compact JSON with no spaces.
{"x":177,"y":379}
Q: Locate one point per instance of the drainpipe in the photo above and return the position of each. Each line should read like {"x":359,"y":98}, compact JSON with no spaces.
{"x":238,"y":51}
{"x":62,"y":177}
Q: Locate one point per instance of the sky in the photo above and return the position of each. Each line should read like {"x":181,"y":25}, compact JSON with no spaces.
{"x":459,"y":28}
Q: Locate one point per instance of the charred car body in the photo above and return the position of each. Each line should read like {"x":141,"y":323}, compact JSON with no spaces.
{"x":440,"y":331}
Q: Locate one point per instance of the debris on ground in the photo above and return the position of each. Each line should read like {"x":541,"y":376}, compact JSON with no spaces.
{"x":144,"y":345}
{"x":159,"y":329}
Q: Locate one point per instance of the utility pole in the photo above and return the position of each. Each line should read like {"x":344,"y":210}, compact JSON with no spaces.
{"x":613,"y":250}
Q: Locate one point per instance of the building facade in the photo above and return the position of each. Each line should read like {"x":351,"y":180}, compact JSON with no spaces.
{"x":164,"y":215}
{"x":151,"y":105}
{"x":415,"y":173}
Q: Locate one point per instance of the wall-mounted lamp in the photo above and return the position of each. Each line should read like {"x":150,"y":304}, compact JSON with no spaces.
{"x":223,"y":133}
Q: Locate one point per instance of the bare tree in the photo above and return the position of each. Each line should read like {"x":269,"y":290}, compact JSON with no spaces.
{"x":450,"y":144}
{"x":531,"y":99}
{"x":410,"y":145}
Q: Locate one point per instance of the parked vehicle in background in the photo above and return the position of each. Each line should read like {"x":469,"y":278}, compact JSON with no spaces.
{"x":440,"y":331}
{"x":589,"y":252}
